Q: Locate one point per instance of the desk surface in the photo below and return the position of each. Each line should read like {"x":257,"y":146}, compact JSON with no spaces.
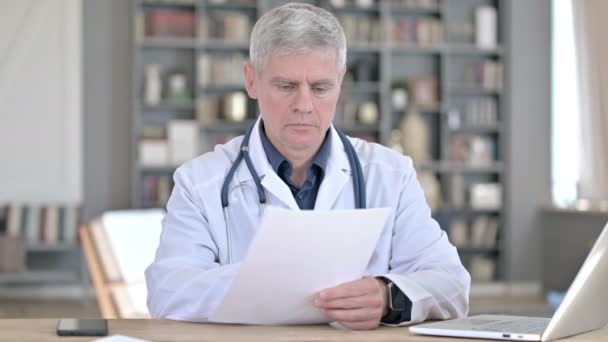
{"x":42,"y":330}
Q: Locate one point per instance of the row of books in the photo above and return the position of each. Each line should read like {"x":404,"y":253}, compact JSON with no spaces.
{"x":155,"y":191}
{"x":417,"y":31}
{"x":482,"y":112}
{"x":164,"y":86}
{"x":43,"y":224}
{"x":169,"y":22}
{"x":481,"y":232}
{"x":415,"y":4}
{"x":472,"y":150}
{"x":478,"y":113}
{"x":225,"y":25}
{"x":181,"y":144}
{"x":487,"y":75}
{"x":231,"y":107}
{"x":482,"y":268}
{"x":360,"y":29}
{"x":220,"y":69}
{"x":475,"y":195}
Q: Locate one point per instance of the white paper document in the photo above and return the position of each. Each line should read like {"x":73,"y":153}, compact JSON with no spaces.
{"x":293,"y":256}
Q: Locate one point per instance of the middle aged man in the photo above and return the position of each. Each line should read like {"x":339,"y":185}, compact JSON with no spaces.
{"x":299,"y":161}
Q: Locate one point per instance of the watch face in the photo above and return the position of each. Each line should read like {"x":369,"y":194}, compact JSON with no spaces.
{"x":397,"y":298}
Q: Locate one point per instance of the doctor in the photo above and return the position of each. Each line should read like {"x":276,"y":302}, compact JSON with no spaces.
{"x":298,"y":160}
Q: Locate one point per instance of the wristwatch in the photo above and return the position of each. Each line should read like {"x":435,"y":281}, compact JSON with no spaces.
{"x":396,"y":302}
{"x":396,"y":299}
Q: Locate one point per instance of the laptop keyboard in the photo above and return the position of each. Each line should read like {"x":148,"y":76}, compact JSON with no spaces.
{"x":524,"y":326}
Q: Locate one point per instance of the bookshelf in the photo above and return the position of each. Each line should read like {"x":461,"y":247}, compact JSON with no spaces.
{"x":423,"y":48}
{"x":42,"y":247}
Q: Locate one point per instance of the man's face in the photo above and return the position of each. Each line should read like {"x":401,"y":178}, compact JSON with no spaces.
{"x":297,"y":96}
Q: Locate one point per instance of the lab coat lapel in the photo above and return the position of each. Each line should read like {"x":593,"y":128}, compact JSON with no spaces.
{"x":337,"y":175}
{"x":271,"y":182}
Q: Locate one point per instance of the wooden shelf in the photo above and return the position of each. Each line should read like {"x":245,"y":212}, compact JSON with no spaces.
{"x":448,"y":167}
{"x":59,"y":247}
{"x":218,"y":44}
{"x":168,"y":108}
{"x":359,"y":128}
{"x":473,"y":91}
{"x":446,"y":210}
{"x":228,"y":127}
{"x":469,"y":49}
{"x":167,"y":43}
{"x":400,"y":49}
{"x":230,"y":6}
{"x":352,"y":9}
{"x":413,"y":11}
{"x":161,"y":3}
{"x":493,"y":129}
{"x":221,"y":88}
{"x":364,"y":47}
{"x":38,"y":277}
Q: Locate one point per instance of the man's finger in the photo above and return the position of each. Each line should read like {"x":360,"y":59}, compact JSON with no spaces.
{"x":353,"y":315}
{"x":355,"y":288}
{"x":364,"y":325}
{"x":349,"y":303}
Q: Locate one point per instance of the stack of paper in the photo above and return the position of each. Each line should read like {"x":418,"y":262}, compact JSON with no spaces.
{"x":294,"y":255}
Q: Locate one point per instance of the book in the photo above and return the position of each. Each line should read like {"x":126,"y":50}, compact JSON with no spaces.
{"x":32,"y":229}
{"x":458,"y":233}
{"x":13,"y":227}
{"x":154,"y":152}
{"x":183,"y":139}
{"x":482,"y":268}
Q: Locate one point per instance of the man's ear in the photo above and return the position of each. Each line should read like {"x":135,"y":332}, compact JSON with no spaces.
{"x":250,"y":79}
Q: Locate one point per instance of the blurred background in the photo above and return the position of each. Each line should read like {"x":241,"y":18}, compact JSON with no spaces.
{"x":501,"y":104}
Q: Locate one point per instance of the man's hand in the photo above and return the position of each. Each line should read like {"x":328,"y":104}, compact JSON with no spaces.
{"x":358,"y":305}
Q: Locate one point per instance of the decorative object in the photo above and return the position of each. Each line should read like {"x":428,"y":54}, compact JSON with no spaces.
{"x":177,"y":92}
{"x":486,"y":196}
{"x":153,"y":85}
{"x":12,"y":254}
{"x":235,"y":106}
{"x":365,"y":3}
{"x":485,"y":27}
{"x":454,"y":120}
{"x":431,"y":188}
{"x":396,"y":141}
{"x":399,"y":98}
{"x":424,"y":92}
{"x":338,"y":3}
{"x":415,"y":136}
{"x":368,"y":113}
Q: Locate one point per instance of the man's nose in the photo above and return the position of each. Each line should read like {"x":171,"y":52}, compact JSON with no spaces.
{"x":303,"y":100}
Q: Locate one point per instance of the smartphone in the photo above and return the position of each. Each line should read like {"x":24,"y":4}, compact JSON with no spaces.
{"x":82,"y":327}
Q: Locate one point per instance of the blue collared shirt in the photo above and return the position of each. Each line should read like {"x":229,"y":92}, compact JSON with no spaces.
{"x":305,"y":196}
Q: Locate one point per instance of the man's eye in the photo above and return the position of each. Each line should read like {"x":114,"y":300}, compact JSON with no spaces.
{"x":285,"y":87}
{"x":320,"y":90}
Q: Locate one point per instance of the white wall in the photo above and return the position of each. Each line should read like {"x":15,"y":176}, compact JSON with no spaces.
{"x":40,"y":101}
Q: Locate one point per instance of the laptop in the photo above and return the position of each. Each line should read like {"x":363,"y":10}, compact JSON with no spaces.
{"x":583,"y":309}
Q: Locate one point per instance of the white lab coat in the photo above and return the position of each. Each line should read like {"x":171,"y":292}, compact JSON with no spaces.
{"x":189,"y":276}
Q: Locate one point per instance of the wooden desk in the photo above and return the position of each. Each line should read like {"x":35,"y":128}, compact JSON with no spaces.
{"x":43,"y":330}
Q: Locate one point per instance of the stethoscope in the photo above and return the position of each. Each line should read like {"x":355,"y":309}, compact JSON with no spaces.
{"x":355,"y":166}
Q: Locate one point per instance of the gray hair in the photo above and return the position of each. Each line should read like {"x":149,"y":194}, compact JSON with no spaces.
{"x":296,"y":28}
